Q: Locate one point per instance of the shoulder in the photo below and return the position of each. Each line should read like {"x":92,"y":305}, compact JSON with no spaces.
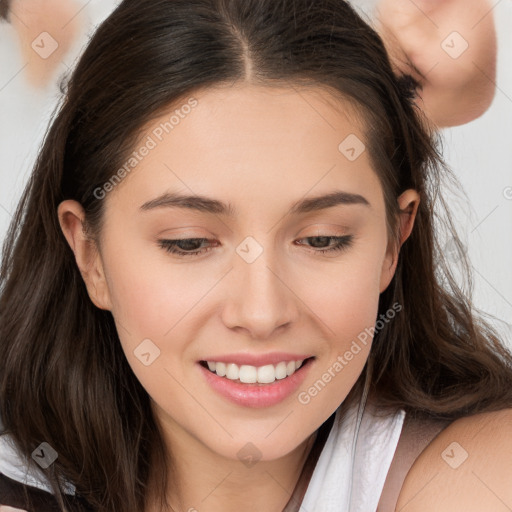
{"x":466,"y":467}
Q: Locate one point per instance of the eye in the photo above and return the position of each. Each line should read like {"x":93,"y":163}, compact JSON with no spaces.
{"x":192,"y":246}
{"x":341,"y":242}
{"x":184,"y":246}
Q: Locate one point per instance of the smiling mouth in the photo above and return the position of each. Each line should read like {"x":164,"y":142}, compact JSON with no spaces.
{"x":263,"y":375}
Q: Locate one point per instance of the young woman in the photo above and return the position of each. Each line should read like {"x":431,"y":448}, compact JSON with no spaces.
{"x":226,"y":269}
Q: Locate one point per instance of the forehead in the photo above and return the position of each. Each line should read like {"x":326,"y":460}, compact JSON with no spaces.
{"x":256,"y":115}
{"x":257,"y":141}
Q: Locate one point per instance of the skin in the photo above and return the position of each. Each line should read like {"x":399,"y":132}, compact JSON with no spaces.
{"x":63,"y":20}
{"x":466,"y":467}
{"x":456,"y":88}
{"x":260,"y":149}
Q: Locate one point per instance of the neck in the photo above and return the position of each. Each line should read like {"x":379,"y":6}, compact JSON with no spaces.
{"x":200,"y":479}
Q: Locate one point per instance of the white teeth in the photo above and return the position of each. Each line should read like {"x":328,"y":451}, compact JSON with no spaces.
{"x":248,"y":374}
{"x":252,"y":374}
{"x":232,"y":371}
{"x":281,"y":371}
{"x":266,"y":374}
{"x":220,"y":369}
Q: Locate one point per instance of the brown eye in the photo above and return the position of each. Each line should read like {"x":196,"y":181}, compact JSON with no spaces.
{"x":341,"y":242}
{"x":185,"y":246}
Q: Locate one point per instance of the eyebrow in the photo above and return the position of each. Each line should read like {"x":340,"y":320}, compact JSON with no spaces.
{"x":214,"y":206}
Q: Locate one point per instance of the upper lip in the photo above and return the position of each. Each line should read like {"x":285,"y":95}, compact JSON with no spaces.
{"x":257,"y":359}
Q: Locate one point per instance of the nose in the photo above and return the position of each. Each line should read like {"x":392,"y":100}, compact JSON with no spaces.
{"x":260,"y":299}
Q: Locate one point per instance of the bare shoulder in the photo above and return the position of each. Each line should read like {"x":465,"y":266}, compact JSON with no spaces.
{"x":468,"y":466}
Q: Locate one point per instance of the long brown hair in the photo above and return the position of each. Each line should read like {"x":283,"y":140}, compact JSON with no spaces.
{"x":4,"y":9}
{"x":64,"y":378}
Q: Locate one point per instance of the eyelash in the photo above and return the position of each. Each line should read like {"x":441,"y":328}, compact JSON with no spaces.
{"x":343,"y":242}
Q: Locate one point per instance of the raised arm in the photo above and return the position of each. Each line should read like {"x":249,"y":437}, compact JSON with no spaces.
{"x":449,"y":47}
{"x":47,"y":30}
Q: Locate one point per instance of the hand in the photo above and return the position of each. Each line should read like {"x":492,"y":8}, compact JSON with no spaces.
{"x":449,"y":47}
{"x":47,"y":30}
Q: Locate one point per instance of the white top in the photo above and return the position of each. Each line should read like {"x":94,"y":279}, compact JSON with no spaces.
{"x":12,"y":466}
{"x":363,"y":456}
{"x":352,"y":468}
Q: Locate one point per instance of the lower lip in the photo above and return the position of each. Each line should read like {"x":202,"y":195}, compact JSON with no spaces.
{"x":257,"y":395}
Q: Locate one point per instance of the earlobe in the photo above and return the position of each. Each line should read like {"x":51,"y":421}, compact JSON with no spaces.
{"x":71,"y":219}
{"x":408,"y":203}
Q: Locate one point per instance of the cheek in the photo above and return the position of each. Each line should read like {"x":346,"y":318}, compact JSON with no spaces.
{"x":152,"y":307}
{"x":345,"y":298}
{"x":348,"y":308}
{"x":148,"y":299}
{"x":345,"y":293}
{"x":149,"y":291}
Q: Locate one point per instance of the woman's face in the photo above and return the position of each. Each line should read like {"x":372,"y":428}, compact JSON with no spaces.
{"x":261,"y":285}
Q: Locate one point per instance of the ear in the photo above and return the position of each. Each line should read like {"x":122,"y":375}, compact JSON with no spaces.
{"x":72,"y":222}
{"x":408,"y":203}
